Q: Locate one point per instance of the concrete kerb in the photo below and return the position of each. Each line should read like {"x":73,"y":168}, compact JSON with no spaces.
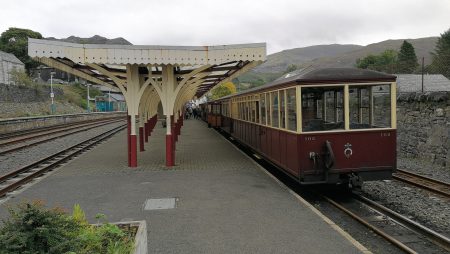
{"x":327,"y":220}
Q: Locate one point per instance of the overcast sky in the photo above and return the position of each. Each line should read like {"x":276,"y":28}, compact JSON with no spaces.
{"x":282,"y":24}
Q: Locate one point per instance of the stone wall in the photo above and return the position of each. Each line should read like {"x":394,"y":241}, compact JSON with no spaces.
{"x":423,"y":122}
{"x":27,"y":123}
{"x":13,"y":93}
{"x":22,"y":101}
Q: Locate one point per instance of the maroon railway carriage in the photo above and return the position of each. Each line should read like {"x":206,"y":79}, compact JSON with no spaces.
{"x":213,"y":114}
{"x":331,"y":125}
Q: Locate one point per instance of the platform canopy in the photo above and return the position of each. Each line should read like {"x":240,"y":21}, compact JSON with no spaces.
{"x":224,"y":61}
{"x":149,"y":75}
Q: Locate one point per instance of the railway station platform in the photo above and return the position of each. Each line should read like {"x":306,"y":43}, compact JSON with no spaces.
{"x":222,"y":201}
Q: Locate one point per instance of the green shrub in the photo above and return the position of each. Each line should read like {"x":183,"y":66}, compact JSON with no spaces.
{"x":32,"y":228}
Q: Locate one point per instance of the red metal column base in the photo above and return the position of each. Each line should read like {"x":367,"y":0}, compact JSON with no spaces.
{"x":170,"y":158}
{"x":141,"y":139}
{"x":174,"y":140}
{"x":129,"y":139}
{"x":147,"y":131}
{"x":151,"y":125}
{"x":133,"y":151}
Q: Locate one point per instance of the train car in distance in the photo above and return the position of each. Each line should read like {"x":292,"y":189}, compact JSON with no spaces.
{"x":320,"y":126}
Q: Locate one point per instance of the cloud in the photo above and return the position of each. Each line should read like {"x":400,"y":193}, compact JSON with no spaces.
{"x":282,"y":24}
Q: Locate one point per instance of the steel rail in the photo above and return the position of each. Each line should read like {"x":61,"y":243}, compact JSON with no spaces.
{"x":95,"y":125}
{"x":371,"y":227}
{"x":60,"y":129}
{"x":434,"y":236}
{"x":19,"y":133}
{"x":51,"y":161}
{"x":423,"y":182}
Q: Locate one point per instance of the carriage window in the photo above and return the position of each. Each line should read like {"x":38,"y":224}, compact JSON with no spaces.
{"x":359,"y":99}
{"x":268,"y":109}
{"x":256,"y":111}
{"x":246,"y":111}
{"x":282,"y":109}
{"x":253,"y":111}
{"x":239,"y":110}
{"x":381,"y":106}
{"x":292,"y":109}
{"x":275,"y":118}
{"x":323,"y":108}
{"x":263,"y":109}
{"x":216,"y":109}
{"x":370,"y":107}
{"x":249,"y":111}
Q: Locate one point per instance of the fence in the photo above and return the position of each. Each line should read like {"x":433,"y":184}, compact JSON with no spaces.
{"x":430,"y":73}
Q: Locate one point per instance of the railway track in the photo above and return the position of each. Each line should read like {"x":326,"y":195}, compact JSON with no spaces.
{"x":36,"y":131}
{"x":65,"y":132}
{"x":423,"y":182}
{"x":28,"y":173}
{"x":399,"y":230}
{"x":12,"y":138}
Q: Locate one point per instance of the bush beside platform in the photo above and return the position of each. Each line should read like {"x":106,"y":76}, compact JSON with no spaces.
{"x":33,"y":228}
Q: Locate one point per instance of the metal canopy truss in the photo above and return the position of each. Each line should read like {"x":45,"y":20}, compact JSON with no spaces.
{"x":216,"y":73}
{"x":149,"y":75}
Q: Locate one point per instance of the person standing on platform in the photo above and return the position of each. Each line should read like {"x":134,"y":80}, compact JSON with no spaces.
{"x":186,"y":114}
{"x":194,"y":111}
{"x":190,"y":112}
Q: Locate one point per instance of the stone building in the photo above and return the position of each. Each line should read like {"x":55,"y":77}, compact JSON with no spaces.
{"x":8,"y":62}
{"x":411,"y":83}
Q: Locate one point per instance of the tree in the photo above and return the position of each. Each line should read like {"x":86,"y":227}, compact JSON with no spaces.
{"x":290,"y":68}
{"x":441,"y":56}
{"x":223,"y":90}
{"x":231,"y":87}
{"x":20,"y":77}
{"x":384,"y":62}
{"x":407,"y":59}
{"x":15,"y":41}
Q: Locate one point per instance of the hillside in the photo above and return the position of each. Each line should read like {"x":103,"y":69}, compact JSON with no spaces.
{"x":334,"y":55}
{"x":422,"y":46}
{"x":278,"y":62}
{"x":96,"y":39}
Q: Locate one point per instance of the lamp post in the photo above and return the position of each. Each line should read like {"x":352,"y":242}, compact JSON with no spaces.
{"x":52,"y":95}
{"x":88,"y":106}
{"x":109,"y":100}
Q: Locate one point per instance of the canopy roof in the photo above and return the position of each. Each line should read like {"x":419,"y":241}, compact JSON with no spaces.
{"x":225,"y":60}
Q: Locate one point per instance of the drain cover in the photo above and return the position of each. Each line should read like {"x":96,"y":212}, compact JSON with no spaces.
{"x":158,"y":204}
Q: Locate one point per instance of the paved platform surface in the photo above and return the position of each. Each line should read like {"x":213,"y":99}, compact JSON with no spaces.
{"x":225,"y":202}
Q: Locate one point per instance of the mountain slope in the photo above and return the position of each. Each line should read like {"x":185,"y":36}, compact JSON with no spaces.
{"x":96,"y":39}
{"x":334,"y":55}
{"x":278,"y":62}
{"x":422,"y":46}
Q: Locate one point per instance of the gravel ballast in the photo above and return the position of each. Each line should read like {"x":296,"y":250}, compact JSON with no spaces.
{"x":427,"y":208}
{"x":14,"y":160}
